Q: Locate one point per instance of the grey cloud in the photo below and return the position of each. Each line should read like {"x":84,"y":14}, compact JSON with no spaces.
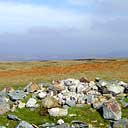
{"x":104,"y":31}
{"x":117,"y":25}
{"x":112,"y":7}
{"x":117,"y":7}
{"x":47,"y":43}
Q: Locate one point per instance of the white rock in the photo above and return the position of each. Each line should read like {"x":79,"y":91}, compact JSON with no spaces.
{"x":61,"y":98}
{"x":72,"y":88}
{"x":60,"y":121}
{"x":80,"y":88}
{"x":60,"y":95}
{"x":115,"y":88}
{"x":92,"y":85}
{"x":68,"y":94}
{"x":58,"y":112}
{"x":21,"y":105}
{"x":42,"y":95}
{"x":61,"y":101}
{"x":103,"y":83}
{"x":31,"y":103}
{"x":76,"y":82}
{"x":70,"y":82}
{"x":123,"y":83}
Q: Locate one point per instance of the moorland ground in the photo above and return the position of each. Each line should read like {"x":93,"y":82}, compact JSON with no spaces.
{"x":19,"y":74}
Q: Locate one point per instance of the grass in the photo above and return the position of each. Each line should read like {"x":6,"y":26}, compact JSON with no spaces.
{"x":125,"y":100}
{"x":19,"y":74}
{"x":84,"y":114}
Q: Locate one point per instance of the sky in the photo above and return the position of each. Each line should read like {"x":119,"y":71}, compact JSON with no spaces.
{"x":63,"y":28}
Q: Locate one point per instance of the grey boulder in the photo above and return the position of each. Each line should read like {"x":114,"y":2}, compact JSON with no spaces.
{"x":24,"y":124}
{"x":117,"y":89}
{"x":112,"y":110}
{"x":4,"y":107}
{"x":79,"y":124}
{"x":17,"y":95}
{"x":90,"y":99}
{"x":13,"y":117}
{"x":64,"y":125}
{"x":71,"y":102}
{"x":47,"y":125}
{"x":122,"y":123}
{"x":71,"y":82}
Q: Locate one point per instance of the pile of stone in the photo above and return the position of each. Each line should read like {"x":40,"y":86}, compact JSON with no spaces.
{"x":58,"y":96}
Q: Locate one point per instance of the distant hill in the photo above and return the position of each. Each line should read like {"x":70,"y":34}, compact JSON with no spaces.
{"x":117,"y":54}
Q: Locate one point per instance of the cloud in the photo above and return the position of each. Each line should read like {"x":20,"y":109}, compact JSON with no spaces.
{"x":78,"y":2}
{"x":82,"y":2}
{"x":112,"y":7}
{"x":20,"y":16}
{"x":51,"y":31}
{"x":103,"y":6}
{"x":62,"y":41}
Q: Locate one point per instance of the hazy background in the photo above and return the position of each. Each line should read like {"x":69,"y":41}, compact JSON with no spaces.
{"x":63,"y":29}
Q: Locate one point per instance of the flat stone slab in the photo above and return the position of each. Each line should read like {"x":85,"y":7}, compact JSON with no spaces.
{"x":17,"y":95}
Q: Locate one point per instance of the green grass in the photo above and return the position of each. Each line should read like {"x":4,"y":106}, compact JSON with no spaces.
{"x":85,"y":114}
{"x":125,"y":100}
{"x":125,"y":112}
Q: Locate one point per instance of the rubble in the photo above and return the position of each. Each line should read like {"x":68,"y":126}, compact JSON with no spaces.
{"x":60,"y":121}
{"x":32,"y":87}
{"x":58,"y":112}
{"x":31,"y":103}
{"x":50,"y":102}
{"x":117,"y":89}
{"x":57,"y":97}
{"x":17,"y":95}
{"x":13,"y":117}
{"x":41,"y":95}
{"x":24,"y":124}
{"x":21,"y":105}
{"x":4,"y":105}
{"x":112,"y":110}
{"x":79,"y":124}
{"x":122,"y":123}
